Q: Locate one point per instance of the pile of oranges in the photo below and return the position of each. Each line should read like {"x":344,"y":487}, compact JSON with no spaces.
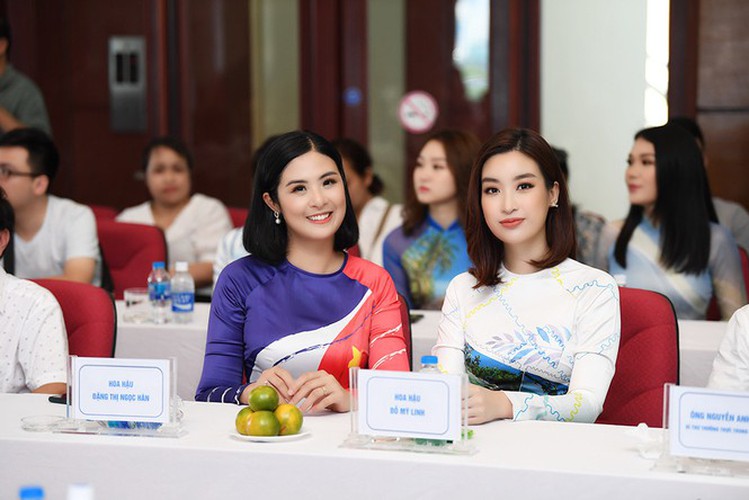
{"x":265,"y":417}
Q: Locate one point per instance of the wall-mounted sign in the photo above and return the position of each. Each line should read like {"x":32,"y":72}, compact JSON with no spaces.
{"x":418,"y":111}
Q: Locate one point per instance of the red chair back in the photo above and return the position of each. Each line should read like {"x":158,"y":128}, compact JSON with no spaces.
{"x":713,"y":311}
{"x":89,"y":314}
{"x":103,"y":212}
{"x":129,"y":250}
{"x":648,"y":358}
{"x":406,"y":327}
{"x":238,"y":215}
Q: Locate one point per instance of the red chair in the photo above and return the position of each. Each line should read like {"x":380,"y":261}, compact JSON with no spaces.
{"x":648,"y":358}
{"x":128,"y":251}
{"x":103,"y":212}
{"x":238,"y":215}
{"x":89,"y":314}
{"x":713,"y":311}
{"x":406,"y":327}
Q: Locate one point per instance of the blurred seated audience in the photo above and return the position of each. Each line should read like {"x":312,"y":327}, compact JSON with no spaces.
{"x":670,"y":241}
{"x":298,"y":312}
{"x":54,"y":237}
{"x":588,"y":225}
{"x":730,"y":214}
{"x":192,"y":223}
{"x":33,"y":343}
{"x":376,"y":216}
{"x":429,"y":249}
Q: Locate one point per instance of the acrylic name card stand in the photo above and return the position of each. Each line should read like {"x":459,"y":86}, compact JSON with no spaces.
{"x":124,"y":397}
{"x":705,"y":432}
{"x":404,"y":411}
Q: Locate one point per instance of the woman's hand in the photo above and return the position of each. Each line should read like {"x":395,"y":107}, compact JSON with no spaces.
{"x":276,"y":377}
{"x":319,"y":390}
{"x":485,"y":405}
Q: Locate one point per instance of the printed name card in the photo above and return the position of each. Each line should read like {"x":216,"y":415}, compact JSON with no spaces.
{"x":706,"y":423}
{"x":416,"y":405}
{"x":132,"y":390}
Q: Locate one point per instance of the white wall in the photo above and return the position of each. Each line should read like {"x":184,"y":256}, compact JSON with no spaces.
{"x":592,"y":93}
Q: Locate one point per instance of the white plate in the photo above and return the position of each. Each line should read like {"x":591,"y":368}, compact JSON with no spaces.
{"x":271,"y":439}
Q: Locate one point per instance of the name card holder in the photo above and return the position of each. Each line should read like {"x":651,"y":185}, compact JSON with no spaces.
{"x":131,"y":397}
{"x":705,"y":431}
{"x":405,"y":411}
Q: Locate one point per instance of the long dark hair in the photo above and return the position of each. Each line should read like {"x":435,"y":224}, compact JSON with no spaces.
{"x":262,"y":237}
{"x":683,"y":207}
{"x":461,"y":148}
{"x":488,"y":252}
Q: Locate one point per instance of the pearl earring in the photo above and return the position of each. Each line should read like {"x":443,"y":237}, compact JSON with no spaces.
{"x":277,"y":216}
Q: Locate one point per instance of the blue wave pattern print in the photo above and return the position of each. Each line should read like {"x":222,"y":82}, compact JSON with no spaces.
{"x":526,"y":335}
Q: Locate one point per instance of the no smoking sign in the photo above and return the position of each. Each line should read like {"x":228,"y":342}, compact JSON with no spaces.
{"x":418,"y":111}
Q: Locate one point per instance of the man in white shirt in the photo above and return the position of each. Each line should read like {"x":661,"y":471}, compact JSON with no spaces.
{"x":33,"y":342}
{"x":55,"y":237}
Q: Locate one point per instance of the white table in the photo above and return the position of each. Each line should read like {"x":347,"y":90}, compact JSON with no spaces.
{"x":185,"y":342}
{"x":515,"y":460}
{"x":698,"y":343}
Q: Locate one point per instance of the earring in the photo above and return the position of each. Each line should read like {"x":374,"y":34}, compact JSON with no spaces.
{"x":555,"y":205}
{"x":277,"y":216}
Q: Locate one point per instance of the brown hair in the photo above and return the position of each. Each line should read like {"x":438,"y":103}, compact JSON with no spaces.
{"x":461,"y":148}
{"x":486,"y":251}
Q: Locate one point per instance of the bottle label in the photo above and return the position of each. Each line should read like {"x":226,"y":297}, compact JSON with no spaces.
{"x":183,"y":302}
{"x":158,"y":291}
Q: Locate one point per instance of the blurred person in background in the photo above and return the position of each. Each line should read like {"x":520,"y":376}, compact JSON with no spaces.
{"x":193,"y":223}
{"x":21,"y":101}
{"x":670,"y":241}
{"x":731,"y":364}
{"x":429,"y":249}
{"x":33,"y":342}
{"x":54,"y":237}
{"x":376,"y":216}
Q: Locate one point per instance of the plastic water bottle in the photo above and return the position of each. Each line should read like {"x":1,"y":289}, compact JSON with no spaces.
{"x":31,"y":493}
{"x":80,"y":491}
{"x":159,"y":293}
{"x":183,"y":294}
{"x":429,"y":364}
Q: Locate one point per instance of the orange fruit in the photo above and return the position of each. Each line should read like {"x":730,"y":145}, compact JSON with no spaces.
{"x":263,"y":423}
{"x":262,"y":398}
{"x":242,"y":421}
{"x":290,"y":417}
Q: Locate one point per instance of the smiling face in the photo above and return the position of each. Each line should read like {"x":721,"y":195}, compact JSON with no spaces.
{"x":515,"y":202}
{"x":168,"y":177}
{"x":641,"y":175}
{"x":311,"y":198}
{"x":433,"y":181}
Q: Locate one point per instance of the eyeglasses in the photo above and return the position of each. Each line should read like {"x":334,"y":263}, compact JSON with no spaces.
{"x":6,"y":173}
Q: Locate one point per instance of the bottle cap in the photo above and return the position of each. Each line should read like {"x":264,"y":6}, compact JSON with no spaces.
{"x":429,"y":360}
{"x":31,"y":492}
{"x":81,"y":491}
{"x":158,"y":265}
{"x":181,"y":266}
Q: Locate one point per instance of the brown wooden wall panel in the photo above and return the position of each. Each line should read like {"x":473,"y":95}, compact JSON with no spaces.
{"x":215,"y":96}
{"x":723,"y":76}
{"x":727,"y":139}
{"x":65,"y":52}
